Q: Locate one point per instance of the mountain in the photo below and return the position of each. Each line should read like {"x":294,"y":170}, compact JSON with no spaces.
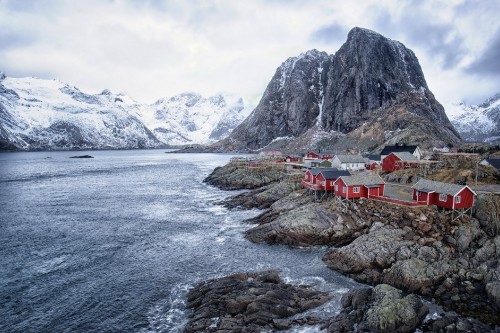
{"x":477,"y":123}
{"x":38,"y":114}
{"x":370,"y":93}
{"x":189,"y":118}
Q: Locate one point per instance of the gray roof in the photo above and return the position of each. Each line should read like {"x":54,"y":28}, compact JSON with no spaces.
{"x":374,"y":157}
{"x":351,"y":158}
{"x":334,"y":174}
{"x":398,"y":148}
{"x":427,"y":185}
{"x":362,"y":180}
{"x":316,"y":171}
{"x":494,"y":162}
{"x":405,"y":156}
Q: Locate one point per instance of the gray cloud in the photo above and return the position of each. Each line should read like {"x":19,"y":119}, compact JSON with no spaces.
{"x":489,"y":62}
{"x":438,"y":39}
{"x":329,"y":33}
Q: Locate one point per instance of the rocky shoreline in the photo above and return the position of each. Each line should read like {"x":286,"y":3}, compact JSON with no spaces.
{"x":418,"y":252}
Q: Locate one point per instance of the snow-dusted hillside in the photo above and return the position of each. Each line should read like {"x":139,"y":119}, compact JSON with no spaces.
{"x":38,"y":114}
{"x":478,"y":123}
{"x":189,"y":118}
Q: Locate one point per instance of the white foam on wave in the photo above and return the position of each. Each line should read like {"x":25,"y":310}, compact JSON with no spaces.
{"x":50,"y":265}
{"x":169,"y":315}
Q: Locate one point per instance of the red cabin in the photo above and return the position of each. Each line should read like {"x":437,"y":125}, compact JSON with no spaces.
{"x":450,"y":196}
{"x":360,"y":186}
{"x":310,"y":177}
{"x":326,"y":179}
{"x":293,"y":159}
{"x":397,"y":161}
{"x":323,"y":155}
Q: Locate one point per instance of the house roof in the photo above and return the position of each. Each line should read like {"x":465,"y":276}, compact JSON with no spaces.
{"x":362,"y":180}
{"x":494,"y":162}
{"x":405,"y":156}
{"x":334,"y":174}
{"x":323,"y":152}
{"x":394,"y":149}
{"x":351,"y":158}
{"x":374,"y":157}
{"x":426,"y":185}
{"x":316,"y":171}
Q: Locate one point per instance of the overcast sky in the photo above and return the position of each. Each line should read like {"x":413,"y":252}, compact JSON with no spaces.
{"x":153,"y":49}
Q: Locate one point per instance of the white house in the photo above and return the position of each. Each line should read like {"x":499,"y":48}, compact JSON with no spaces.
{"x":348,"y":162}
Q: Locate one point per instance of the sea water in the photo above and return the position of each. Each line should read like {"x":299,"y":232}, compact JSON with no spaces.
{"x":114,"y":243}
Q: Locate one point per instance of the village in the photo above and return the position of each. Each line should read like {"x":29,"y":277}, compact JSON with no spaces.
{"x":401,"y":174}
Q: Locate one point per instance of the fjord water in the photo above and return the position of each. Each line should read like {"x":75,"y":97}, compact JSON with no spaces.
{"x":113,"y":243}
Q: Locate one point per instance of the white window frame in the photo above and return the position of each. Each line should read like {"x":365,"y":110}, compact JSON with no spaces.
{"x":336,"y":187}
{"x":356,"y":189}
{"x":331,"y":182}
{"x":458,"y":199}
{"x":443,"y":197}
{"x":344,"y":189}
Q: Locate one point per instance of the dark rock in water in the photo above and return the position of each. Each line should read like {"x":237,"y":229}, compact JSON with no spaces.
{"x":260,"y":198}
{"x":456,"y":324}
{"x":82,"y":156}
{"x":381,"y":309}
{"x":250,"y":302}
{"x":236,"y":177}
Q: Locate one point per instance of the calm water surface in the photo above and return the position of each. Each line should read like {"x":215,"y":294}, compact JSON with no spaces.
{"x":113,"y":244}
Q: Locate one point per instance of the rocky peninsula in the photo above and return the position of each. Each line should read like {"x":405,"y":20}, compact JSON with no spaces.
{"x":412,"y":253}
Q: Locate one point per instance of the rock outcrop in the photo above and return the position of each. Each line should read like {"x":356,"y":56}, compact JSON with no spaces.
{"x":250,"y":302}
{"x":381,"y":309}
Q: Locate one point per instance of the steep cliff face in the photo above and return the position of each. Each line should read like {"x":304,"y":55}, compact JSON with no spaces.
{"x":291,"y":103}
{"x":369,"y":77}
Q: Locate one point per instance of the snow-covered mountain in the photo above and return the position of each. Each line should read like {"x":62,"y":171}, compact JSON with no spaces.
{"x":478,"y":123}
{"x":189,"y":118}
{"x":39,"y":114}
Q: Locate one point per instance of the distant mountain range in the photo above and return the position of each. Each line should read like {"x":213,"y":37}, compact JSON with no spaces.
{"x":372,"y":92}
{"x":477,"y":123}
{"x":38,"y":114}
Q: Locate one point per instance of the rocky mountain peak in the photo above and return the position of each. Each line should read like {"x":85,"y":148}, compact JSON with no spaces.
{"x":2,"y":76}
{"x":339,"y":93}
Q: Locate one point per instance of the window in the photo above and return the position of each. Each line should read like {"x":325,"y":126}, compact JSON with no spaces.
{"x":442,"y":197}
{"x":344,"y":189}
{"x":457,"y":199}
{"x":356,"y":189}
{"x":419,"y":194}
{"x":331,"y":183}
{"x":336,"y":188}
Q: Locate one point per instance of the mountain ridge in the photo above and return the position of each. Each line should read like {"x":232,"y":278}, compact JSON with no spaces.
{"x":39,"y":114}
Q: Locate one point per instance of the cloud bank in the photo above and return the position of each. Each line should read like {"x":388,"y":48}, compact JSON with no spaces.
{"x":153,"y":49}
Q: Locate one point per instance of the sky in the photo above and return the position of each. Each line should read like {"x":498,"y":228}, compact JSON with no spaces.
{"x":154,"y":49}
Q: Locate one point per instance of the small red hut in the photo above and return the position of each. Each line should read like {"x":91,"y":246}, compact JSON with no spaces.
{"x":446,"y":195}
{"x":326,"y":179}
{"x":399,"y":160}
{"x":310,"y":177}
{"x":360,"y":186}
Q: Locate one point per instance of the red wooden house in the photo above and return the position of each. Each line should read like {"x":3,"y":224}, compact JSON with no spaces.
{"x":450,"y":196}
{"x":326,"y":179}
{"x":293,"y":159}
{"x":399,"y":160}
{"x":310,"y":180}
{"x":359,"y":186}
{"x":323,"y":155}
